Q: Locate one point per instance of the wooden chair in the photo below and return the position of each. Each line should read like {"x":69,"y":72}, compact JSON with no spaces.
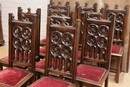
{"x":95,"y":52}
{"x":22,"y":50}
{"x":57,"y":10}
{"x":119,"y":34}
{"x":61,"y":55}
{"x":56,"y":16}
{"x":55,"y":20}
{"x":84,"y":8}
{"x":80,"y":11}
{"x":1,"y":31}
{"x":26,"y":16}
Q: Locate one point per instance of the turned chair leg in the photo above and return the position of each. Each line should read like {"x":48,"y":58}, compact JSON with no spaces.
{"x":118,"y":70}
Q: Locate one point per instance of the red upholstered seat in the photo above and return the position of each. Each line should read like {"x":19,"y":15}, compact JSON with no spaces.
{"x":50,"y":82}
{"x":43,"y":40}
{"x":91,"y":73}
{"x":12,"y":76}
{"x":5,"y":59}
{"x":43,"y":50}
{"x":116,"y":49}
{"x":41,"y":64}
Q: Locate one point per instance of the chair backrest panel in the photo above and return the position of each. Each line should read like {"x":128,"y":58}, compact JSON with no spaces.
{"x":28,"y":16}
{"x":22,"y":40}
{"x":120,"y":22}
{"x":65,"y":9}
{"x":62,"y":49}
{"x":97,"y":41}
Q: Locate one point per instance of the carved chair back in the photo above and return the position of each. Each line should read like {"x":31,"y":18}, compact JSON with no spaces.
{"x":62,"y":48}
{"x":120,"y":22}
{"x":28,"y":16}
{"x":97,"y":41}
{"x":80,"y":15}
{"x":22,"y":42}
{"x":65,"y":9}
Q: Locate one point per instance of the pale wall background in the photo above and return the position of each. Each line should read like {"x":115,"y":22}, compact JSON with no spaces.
{"x":10,"y":6}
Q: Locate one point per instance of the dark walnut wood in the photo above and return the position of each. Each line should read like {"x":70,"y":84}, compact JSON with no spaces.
{"x":80,"y":11}
{"x":62,"y":49}
{"x":28,"y":16}
{"x":119,"y":33}
{"x":25,"y":16}
{"x":96,"y":50}
{"x":22,"y":51}
{"x":1,"y":31}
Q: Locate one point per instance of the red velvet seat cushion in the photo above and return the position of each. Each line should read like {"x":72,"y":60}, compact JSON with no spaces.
{"x":5,"y":59}
{"x":41,"y":64}
{"x":43,"y":40}
{"x":116,"y":48}
{"x":91,"y":73}
{"x":12,"y":76}
{"x":43,"y":50}
{"x":50,"y":82}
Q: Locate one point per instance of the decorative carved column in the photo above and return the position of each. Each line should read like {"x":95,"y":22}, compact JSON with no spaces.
{"x":1,"y":32}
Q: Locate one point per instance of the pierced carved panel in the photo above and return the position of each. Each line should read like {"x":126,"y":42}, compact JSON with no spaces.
{"x":96,"y":42}
{"x":118,"y":33}
{"x":61,"y":50}
{"x":22,"y":43}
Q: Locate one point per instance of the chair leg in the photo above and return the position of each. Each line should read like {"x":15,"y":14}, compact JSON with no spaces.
{"x":118,"y":70}
{"x":106,"y":82}
{"x":1,"y":67}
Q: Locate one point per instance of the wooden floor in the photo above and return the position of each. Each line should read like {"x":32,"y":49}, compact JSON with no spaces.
{"x":124,"y":77}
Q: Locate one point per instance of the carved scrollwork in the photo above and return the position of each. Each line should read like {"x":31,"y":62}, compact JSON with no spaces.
{"x":26,"y":44}
{"x":91,"y":41}
{"x":101,"y":42}
{"x":26,"y":33}
{"x":67,"y":39}
{"x":56,"y":37}
{"x":120,"y":17}
{"x":92,"y":29}
{"x":103,"y":31}
{"x":17,"y":43}
{"x":55,"y":50}
{"x":66,"y":51}
{"x":17,"y":32}
{"x":118,"y":25}
{"x":109,"y":15}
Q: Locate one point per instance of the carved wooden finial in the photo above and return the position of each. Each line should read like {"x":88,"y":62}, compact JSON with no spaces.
{"x":86,"y":4}
{"x":126,"y":7}
{"x":77,"y":4}
{"x":59,"y":3}
{"x":12,"y":17}
{"x":106,"y":5}
{"x":51,"y":2}
{"x":20,"y":9}
{"x":116,"y":6}
{"x":67,"y":3}
{"x":29,"y":10}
